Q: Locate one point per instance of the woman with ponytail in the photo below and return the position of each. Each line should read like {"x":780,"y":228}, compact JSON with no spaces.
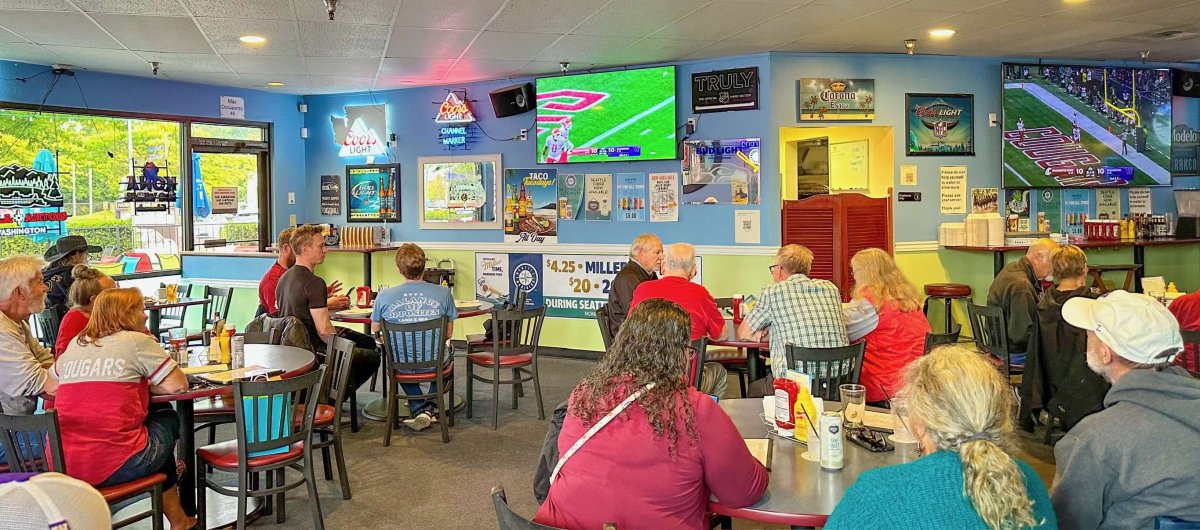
{"x":961,"y":410}
{"x":86,"y":284}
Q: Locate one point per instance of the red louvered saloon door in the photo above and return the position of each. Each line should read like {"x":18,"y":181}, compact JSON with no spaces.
{"x":834,"y":228}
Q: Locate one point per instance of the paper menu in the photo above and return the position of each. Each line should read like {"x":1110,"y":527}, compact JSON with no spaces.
{"x":758,"y":448}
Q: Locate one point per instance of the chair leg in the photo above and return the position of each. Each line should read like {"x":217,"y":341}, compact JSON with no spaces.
{"x":269,"y":502}
{"x":496,"y":397}
{"x":442,"y":420}
{"x":156,"y":507}
{"x":516,"y":390}
{"x":390,"y":415}
{"x":741,"y":375}
{"x":537,"y":391}
{"x":353,"y":410}
{"x":201,"y":475}
{"x":212,"y":433}
{"x":450,"y":400}
{"x":281,"y":497}
{"x":949,"y":317}
{"x":314,"y":500}
{"x":343,"y":474}
{"x":243,"y":482}
{"x":470,"y":386}
{"x":326,"y":461}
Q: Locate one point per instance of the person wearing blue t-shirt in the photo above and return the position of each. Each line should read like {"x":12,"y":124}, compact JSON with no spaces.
{"x":413,"y":301}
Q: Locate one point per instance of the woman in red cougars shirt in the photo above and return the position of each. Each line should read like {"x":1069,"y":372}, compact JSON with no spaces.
{"x":655,"y":464}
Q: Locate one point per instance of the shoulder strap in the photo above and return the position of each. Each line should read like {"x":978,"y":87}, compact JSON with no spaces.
{"x":596,"y":428}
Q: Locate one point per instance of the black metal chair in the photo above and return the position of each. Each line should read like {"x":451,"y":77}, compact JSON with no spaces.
{"x":221,"y":299}
{"x":268,"y":441}
{"x":327,"y":420}
{"x":1191,"y":360}
{"x":28,"y":439}
{"x":515,"y":348}
{"x":214,"y":411}
{"x":173,"y":317}
{"x":509,"y":520}
{"x":991,"y":337}
{"x":606,"y":334}
{"x":696,"y":364}
{"x":933,"y":340}
{"x":828,"y":368}
{"x":47,"y":326}
{"x":421,"y":348}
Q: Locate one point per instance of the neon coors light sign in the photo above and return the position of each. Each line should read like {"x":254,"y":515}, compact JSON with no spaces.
{"x":360,"y":132}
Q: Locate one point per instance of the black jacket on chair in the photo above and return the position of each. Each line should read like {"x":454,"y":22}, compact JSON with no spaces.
{"x":620,"y":293}
{"x":1056,"y":373}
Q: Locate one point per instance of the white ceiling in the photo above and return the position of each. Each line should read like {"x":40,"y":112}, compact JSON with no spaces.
{"x":382,"y":44}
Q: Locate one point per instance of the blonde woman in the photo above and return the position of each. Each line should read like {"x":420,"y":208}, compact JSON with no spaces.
{"x":105,"y":380}
{"x":87,"y":283}
{"x":960,"y":409}
{"x":886,"y":312}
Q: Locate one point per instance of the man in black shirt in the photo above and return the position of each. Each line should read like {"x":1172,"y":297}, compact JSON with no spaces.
{"x":302,"y":294}
{"x":645,"y":257}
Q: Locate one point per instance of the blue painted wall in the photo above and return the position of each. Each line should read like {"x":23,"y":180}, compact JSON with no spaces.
{"x":410,"y":116}
{"x":160,"y":96}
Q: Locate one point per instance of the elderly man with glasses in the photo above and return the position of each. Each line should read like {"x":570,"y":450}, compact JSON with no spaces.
{"x":23,"y":360}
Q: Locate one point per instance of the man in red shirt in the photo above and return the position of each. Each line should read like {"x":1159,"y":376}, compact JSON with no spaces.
{"x":270,"y":280}
{"x":678,"y":269}
{"x":1186,"y":309}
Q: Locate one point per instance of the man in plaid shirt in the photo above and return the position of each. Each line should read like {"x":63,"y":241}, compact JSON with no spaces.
{"x":796,"y":309}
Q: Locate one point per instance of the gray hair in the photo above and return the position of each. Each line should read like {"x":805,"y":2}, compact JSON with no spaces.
{"x":18,"y":271}
{"x":641,"y":244}
{"x":680,"y":257}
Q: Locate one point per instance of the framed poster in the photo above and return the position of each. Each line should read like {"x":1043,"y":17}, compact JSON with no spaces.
{"x":530,"y":206}
{"x":372,"y":193}
{"x":823,"y":99}
{"x":331,"y":195}
{"x":724,"y":90}
{"x":721,"y":171}
{"x":940,"y":124}
{"x":459,"y":192}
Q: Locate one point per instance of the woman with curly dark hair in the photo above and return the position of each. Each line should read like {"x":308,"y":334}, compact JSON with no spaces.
{"x":639,"y":447}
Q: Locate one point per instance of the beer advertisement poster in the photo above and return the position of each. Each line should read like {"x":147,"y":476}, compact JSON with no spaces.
{"x":530,"y":206}
{"x":721,"y":171}
{"x":1049,"y":205}
{"x":664,"y":197}
{"x":331,"y":195}
{"x":940,"y":124}
{"x":823,"y":99}
{"x":725,"y":90}
{"x":570,"y":197}
{"x":1185,"y":136}
{"x":597,"y":197}
{"x":372,"y":193}
{"x":1075,"y":207}
{"x":629,"y":196}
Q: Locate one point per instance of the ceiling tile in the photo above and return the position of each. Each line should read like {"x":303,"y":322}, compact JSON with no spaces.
{"x":484,"y":69}
{"x":132,"y":7}
{"x":58,"y":28}
{"x":378,"y":12}
{"x":333,"y":39}
{"x":538,"y":68}
{"x":726,"y":49}
{"x":1027,"y":8}
{"x":891,"y":23}
{"x":224,"y":34}
{"x":347,"y":66}
{"x":395,"y":83}
{"x":719,"y":20}
{"x":584,"y":49}
{"x":429,"y":43}
{"x":794,"y":24}
{"x":266,"y":64}
{"x":810,"y":46}
{"x":101,"y":58}
{"x":290,"y":82}
{"x":250,"y":9}
{"x":543,"y":16}
{"x":322,"y":84}
{"x":8,"y":36}
{"x":631,"y":18}
{"x":958,"y":5}
{"x":205,"y":78}
{"x":508,"y":46}
{"x":442,"y":14}
{"x":27,"y":53}
{"x":187,"y":62}
{"x":1169,"y":15}
{"x":658,"y":50}
{"x":1110,"y":9}
{"x":160,"y":34}
{"x":42,"y":5}
{"x":409,"y":68}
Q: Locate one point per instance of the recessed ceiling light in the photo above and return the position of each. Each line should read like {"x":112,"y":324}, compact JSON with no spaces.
{"x":252,"y":39}
{"x":274,"y":83}
{"x":941,"y":33}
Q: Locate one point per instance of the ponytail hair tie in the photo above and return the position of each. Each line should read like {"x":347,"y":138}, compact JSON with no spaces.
{"x":978,"y":437}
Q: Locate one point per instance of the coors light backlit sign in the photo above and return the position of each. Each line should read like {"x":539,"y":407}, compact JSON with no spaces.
{"x":361,"y":131}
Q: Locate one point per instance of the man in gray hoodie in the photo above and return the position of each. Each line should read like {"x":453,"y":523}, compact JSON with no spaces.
{"x":1136,"y":459}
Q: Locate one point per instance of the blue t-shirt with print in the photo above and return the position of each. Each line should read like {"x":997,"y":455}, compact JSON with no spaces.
{"x":412,"y":302}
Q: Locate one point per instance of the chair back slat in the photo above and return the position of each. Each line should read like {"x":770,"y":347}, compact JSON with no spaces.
{"x":176,"y":313}
{"x":828,"y":368}
{"x":1190,"y":356}
{"x":933,"y":340}
{"x":336,"y":382}
{"x":508,"y":519}
{"x":517,"y":332}
{"x":221,"y":299}
{"x":28,"y":440}
{"x":988,"y":326}
{"x":696,"y":364}
{"x":47,"y":325}
{"x":419,"y":346}
{"x":263,"y":413}
{"x":606,"y":334}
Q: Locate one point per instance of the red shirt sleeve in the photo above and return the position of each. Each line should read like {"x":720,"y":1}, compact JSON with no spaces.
{"x":266,"y":291}
{"x":72,"y":323}
{"x":713,"y":319}
{"x":732,"y":474}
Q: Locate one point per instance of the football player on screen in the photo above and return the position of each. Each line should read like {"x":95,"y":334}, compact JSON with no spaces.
{"x":1021,"y":128}
{"x":558,"y":144}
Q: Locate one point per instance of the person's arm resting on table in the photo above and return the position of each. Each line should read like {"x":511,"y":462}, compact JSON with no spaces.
{"x":21,"y":374}
{"x":732,"y":474}
{"x":756,"y":321}
{"x":861,"y":318}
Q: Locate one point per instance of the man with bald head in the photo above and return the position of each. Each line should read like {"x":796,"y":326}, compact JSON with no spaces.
{"x":645,"y":257}
{"x":678,"y":269}
{"x":1017,"y":290}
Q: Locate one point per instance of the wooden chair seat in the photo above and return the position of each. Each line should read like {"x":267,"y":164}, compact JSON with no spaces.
{"x":507,"y":361}
{"x":137,"y":487}
{"x":224,"y":455}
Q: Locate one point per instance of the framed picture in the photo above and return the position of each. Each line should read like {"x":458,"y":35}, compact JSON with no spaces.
{"x":459,"y":192}
{"x":940,"y":124}
{"x":372,"y":193}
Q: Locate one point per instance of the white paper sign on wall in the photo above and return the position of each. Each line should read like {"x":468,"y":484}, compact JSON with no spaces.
{"x":233,"y":107}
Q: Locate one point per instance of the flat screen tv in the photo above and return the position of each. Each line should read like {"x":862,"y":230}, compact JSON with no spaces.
{"x":609,"y":116}
{"x":1086,"y":126}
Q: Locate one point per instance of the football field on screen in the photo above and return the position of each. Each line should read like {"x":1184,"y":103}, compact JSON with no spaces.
{"x":1020,"y":170}
{"x":639,"y":110}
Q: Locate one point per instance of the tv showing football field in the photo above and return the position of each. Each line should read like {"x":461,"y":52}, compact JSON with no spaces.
{"x":605,"y":117}
{"x":1069,"y":126}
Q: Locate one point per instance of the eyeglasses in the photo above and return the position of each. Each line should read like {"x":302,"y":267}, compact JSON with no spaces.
{"x":772,"y":268}
{"x":691,"y":351}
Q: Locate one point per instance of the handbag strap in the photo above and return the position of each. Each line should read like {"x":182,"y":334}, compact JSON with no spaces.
{"x":596,"y":428}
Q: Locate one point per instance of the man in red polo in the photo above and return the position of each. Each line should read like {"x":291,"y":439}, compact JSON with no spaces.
{"x":270,"y":280}
{"x":678,"y":269}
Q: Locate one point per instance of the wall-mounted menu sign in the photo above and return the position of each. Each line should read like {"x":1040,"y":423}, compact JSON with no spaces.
{"x":331,"y":195}
{"x":372,"y":194}
{"x":724,"y":90}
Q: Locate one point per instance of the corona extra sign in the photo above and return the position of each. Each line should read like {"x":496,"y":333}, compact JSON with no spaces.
{"x":454,"y":110}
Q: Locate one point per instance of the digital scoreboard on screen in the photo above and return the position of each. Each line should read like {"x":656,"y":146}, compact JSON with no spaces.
{"x":1072,"y":126}
{"x":605,"y":117}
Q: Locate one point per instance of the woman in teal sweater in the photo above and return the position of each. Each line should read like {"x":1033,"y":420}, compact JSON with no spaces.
{"x":960,"y":409}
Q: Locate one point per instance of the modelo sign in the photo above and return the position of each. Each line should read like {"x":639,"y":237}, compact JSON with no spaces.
{"x":360,"y":132}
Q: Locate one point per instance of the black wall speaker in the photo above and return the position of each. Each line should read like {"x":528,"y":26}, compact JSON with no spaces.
{"x":512,"y":100}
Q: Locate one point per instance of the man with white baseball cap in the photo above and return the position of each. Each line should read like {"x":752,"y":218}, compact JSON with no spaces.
{"x":1136,"y":459}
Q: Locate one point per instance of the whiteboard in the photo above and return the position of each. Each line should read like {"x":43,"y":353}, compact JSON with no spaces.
{"x":849,"y":165}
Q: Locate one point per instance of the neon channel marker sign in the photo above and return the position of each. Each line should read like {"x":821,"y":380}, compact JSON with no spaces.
{"x":360,"y":132}
{"x":454,"y":110}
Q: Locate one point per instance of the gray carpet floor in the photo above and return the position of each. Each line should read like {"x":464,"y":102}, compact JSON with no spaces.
{"x":420,"y":483}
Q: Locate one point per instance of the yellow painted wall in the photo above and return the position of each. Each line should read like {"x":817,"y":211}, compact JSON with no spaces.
{"x":882,"y":162}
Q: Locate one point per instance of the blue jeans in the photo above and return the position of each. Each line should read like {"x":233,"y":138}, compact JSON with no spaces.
{"x":31,"y":448}
{"x":417,"y":406}
{"x":162,"y":431}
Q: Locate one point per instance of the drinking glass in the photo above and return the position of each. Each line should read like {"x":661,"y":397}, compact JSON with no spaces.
{"x":172,"y":292}
{"x":178,"y":338}
{"x":900,"y":432}
{"x":854,"y":404}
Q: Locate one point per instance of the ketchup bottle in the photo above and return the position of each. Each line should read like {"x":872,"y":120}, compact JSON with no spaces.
{"x":786,"y":391}
{"x":737,"y":300}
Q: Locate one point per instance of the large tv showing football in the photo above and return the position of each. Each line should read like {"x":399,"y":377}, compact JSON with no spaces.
{"x":1086,"y":126}
{"x":608,"y":116}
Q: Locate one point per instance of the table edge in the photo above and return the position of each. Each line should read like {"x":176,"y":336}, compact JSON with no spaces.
{"x":761,"y":516}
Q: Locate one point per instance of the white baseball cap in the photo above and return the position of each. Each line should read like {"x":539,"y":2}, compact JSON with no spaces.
{"x":1135,"y":326}
{"x":52,"y":501}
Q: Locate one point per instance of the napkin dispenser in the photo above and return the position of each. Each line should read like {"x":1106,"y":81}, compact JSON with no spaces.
{"x":1187,"y":203}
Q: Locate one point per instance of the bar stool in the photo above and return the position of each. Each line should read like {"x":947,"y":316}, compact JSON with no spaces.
{"x":947,"y":292}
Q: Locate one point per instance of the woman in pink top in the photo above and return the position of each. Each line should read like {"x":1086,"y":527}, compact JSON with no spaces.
{"x":87,"y":285}
{"x":656,"y":463}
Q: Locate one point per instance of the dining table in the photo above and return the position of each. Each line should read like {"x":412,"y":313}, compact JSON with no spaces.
{"x":222,"y":510}
{"x":755,"y":367}
{"x":155,"y":307}
{"x":800,"y":492}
